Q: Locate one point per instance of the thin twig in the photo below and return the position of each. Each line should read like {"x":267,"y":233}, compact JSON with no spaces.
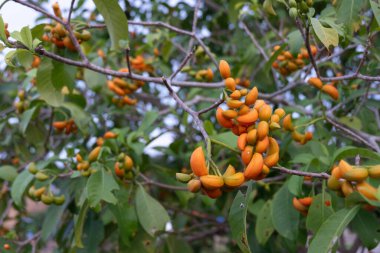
{"x":70,"y":11}
{"x":149,"y":181}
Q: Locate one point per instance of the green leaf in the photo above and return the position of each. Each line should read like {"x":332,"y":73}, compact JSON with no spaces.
{"x":9,"y":58}
{"x":45,"y":86}
{"x":318,"y":211}
{"x":367,"y":227}
{"x":26,"y":117}
{"x":148,"y":120}
{"x":264,"y":226}
{"x":3,"y":37}
{"x":24,"y":57}
{"x":348,"y":14}
{"x":268,"y":7}
{"x":24,"y":36}
{"x":19,"y":186}
{"x":81,"y":118}
{"x":151,"y":214}
{"x":115,"y":20}
{"x":226,"y":139}
{"x":351,"y":151}
{"x":295,"y":185}
{"x":63,"y":75}
{"x":332,"y":229}
{"x":376,"y":10}
{"x":100,"y":186}
{"x":353,"y":122}
{"x":295,"y":42}
{"x":93,"y":79}
{"x":51,"y":221}
{"x":237,"y":218}
{"x":8,"y":173}
{"x":284,"y":217}
{"x":79,"y":223}
{"x":175,"y":244}
{"x":328,"y":36}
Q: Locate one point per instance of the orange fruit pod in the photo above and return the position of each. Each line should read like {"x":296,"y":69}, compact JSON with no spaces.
{"x":234,"y":180}
{"x":273,"y":146}
{"x":271,"y":160}
{"x":79,"y":158}
{"x":347,"y":188}
{"x":252,"y":137}
{"x":306,"y":201}
{"x":287,"y":123}
{"x":291,"y":66}
{"x":128,"y":162}
{"x":331,"y":91}
{"x":297,"y":136}
{"x":211,"y":182}
{"x":223,"y":121}
{"x":129,"y":101}
{"x":247,"y":154}
{"x":230,"y":83}
{"x":258,"y":104}
{"x":109,"y":135}
{"x":313,"y":49}
{"x":94,"y":154}
{"x":288,"y":55}
{"x":209,"y":75}
{"x":59,"y":125}
{"x":244,"y":109}
{"x":224,"y":69}
{"x":234,"y":103}
{"x":316,"y":82}
{"x":262,"y":130}
{"x":265,"y":112}
{"x":299,"y":206}
{"x":280,"y":112}
{"x":111,"y":85}
{"x":252,"y":96}
{"x":242,"y":141}
{"x":198,"y":162}
{"x":357,"y":174}
{"x":235,"y":95}
{"x":99,"y":141}
{"x":118,"y":171}
{"x":274,"y":118}
{"x":333,"y":183}
{"x":57,"y":10}
{"x":230,"y":114}
{"x":120,"y":82}
{"x":343,"y":168}
{"x":216,"y":193}
{"x":254,"y":167}
{"x":194,"y":185}
{"x":374,"y":171}
{"x":229,"y":171}
{"x":248,"y":118}
{"x":36,"y":61}
{"x":262,"y":145}
{"x":367,"y":190}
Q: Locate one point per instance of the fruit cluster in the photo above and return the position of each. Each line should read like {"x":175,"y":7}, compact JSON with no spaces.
{"x":66,"y":125}
{"x":286,"y":63}
{"x":204,"y":74}
{"x":299,"y":7}
{"x":22,"y":104}
{"x":302,"y":205}
{"x":345,"y":179}
{"x":329,"y":88}
{"x":296,"y":136}
{"x":139,"y":64}
{"x":84,"y":166}
{"x":42,"y":193}
{"x":57,"y":34}
{"x":122,"y":89}
{"x":123,"y":166}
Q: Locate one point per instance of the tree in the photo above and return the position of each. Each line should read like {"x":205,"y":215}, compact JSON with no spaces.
{"x":266,"y":114}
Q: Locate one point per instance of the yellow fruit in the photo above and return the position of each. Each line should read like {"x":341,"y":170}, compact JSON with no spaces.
{"x":316,"y":82}
{"x":252,"y":96}
{"x":271,"y":160}
{"x":223,"y":121}
{"x":194,"y":185}
{"x":262,"y":129}
{"x":235,"y":95}
{"x":182,"y":177}
{"x":258,"y":104}
{"x":198,"y":162}
{"x":331,"y":91}
{"x":39,"y":192}
{"x":233,"y":103}
{"x":274,"y":118}
{"x":248,"y":118}
{"x":93,"y":156}
{"x":287,"y":123}
{"x":347,"y":188}
{"x":367,"y":190}
{"x":344,"y":167}
{"x":252,"y":137}
{"x":244,"y":109}
{"x":234,"y":180}
{"x":212,"y":182}
{"x":265,"y":112}
{"x":128,"y":162}
{"x":224,"y":69}
{"x":333,"y":183}
{"x":374,"y":171}
{"x":229,"y":171}
{"x":254,"y":167}
{"x":230,"y":83}
{"x":357,"y":174}
{"x":280,"y":112}
{"x":230,"y":114}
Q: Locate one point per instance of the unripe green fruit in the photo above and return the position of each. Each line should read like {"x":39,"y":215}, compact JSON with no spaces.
{"x":304,"y":7}
{"x":182,"y":177}
{"x":293,"y":12}
{"x":32,"y":168}
{"x":31,"y":191}
{"x":85,"y":173}
{"x":120,"y":157}
{"x":59,"y":200}
{"x":292,"y":3}
{"x":309,"y":3}
{"x":86,"y":35}
{"x":47,"y":199}
{"x":40,"y":176}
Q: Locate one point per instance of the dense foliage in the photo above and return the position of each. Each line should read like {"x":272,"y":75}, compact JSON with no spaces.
{"x":191,"y":126}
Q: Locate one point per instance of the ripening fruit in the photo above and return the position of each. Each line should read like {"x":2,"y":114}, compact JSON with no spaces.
{"x":57,"y":10}
{"x":333,"y":183}
{"x":119,"y":171}
{"x":224,"y":69}
{"x":40,"y":176}
{"x":331,"y":91}
{"x":367,"y":190}
{"x":216,"y":193}
{"x":230,"y":114}
{"x":234,"y":180}
{"x":252,"y":137}
{"x":224,"y":122}
{"x":316,"y":82}
{"x":59,"y":200}
{"x":254,"y":167}
{"x":6,"y":246}
{"x":265,"y":112}
{"x":244,"y":109}
{"x":297,"y":136}
{"x":262,"y":130}
{"x":38,"y":192}
{"x":306,"y":201}
{"x":248,"y":118}
{"x":93,"y":156}
{"x":128,"y":162}
{"x":287,"y":123}
{"x":229,"y":171}
{"x":247,"y":154}
{"x":79,"y":158}
{"x":262,"y":145}
{"x":298,"y":205}
{"x":274,"y":118}
{"x":212,"y":182}
{"x":252,"y":96}
{"x":85,"y":165}
{"x":60,"y":125}
{"x":198,"y":162}
{"x":230,"y":83}
{"x":32,"y":168}
{"x":235,"y":95}
{"x":374,"y":171}
{"x":47,"y":199}
{"x":357,"y":174}
{"x":109,"y":135}
{"x":347,"y":188}
{"x":280,"y":112}
{"x":242,"y":141}
{"x":182,"y":177}
{"x":343,"y":167}
{"x":271,"y":160}
{"x":233,"y":103}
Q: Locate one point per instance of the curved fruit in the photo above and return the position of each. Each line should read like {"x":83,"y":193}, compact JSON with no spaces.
{"x":60,"y":125}
{"x":258,"y":104}
{"x":212,"y":182}
{"x":308,"y":136}
{"x":224,"y":122}
{"x":274,"y":118}
{"x":306,"y":201}
{"x":198,"y":162}
{"x":40,"y":176}
{"x":254,"y":167}
{"x":287,"y":123}
{"x":194,"y":185}
{"x":248,"y":118}
{"x":335,"y":172}
{"x":93,"y":156}
{"x":374,"y":171}
{"x":316,"y":82}
{"x":347,"y":188}
{"x":235,"y":95}
{"x":229,"y":171}
{"x":32,"y":168}
{"x":298,"y":205}
{"x":252,"y":137}
{"x":47,"y":199}
{"x":128,"y":162}
{"x":297,"y":136}
{"x":262,"y":130}
{"x":109,"y":135}
{"x":271,"y":160}
{"x":247,"y":154}
{"x":119,"y":171}
{"x":357,"y":174}
{"x":280,"y":112}
{"x":38,"y":192}
{"x":367,"y":190}
{"x":234,"y":180}
{"x":230,"y":83}
{"x":252,"y":96}
{"x":344,"y":167}
{"x":262,"y":145}
{"x":265,"y":112}
{"x":213,"y":193}
{"x":333,"y":183}
{"x":273,"y":146}
{"x":230,"y":114}
{"x":242,"y":141}
{"x":244,"y":109}
{"x":59,"y":200}
{"x":224,"y":69}
{"x":331,"y":91}
{"x":182,"y":177}
{"x":233,"y":103}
